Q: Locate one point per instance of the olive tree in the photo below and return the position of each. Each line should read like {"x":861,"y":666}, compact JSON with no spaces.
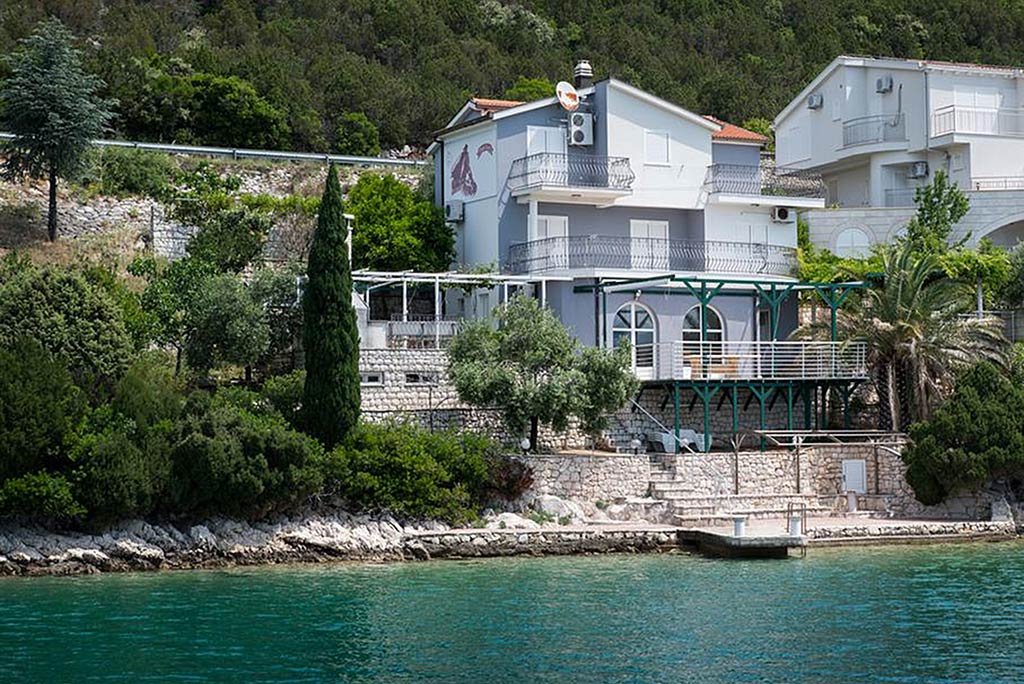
{"x":533,"y":370}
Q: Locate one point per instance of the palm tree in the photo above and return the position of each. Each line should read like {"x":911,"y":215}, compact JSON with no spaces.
{"x":917,"y":339}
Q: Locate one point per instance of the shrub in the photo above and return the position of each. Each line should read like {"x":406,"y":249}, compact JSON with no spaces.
{"x":40,"y":408}
{"x":135,"y":172}
{"x":411,"y":471}
{"x":69,"y":316}
{"x":148,"y":392}
{"x":975,"y":436}
{"x":230,"y":460}
{"x":230,"y":239}
{"x":39,"y":495}
{"x":284,"y":392}
{"x":114,"y":477}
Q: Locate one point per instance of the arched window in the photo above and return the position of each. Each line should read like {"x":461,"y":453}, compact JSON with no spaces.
{"x":852,"y":242}
{"x":714,"y":329}
{"x":634,"y":323}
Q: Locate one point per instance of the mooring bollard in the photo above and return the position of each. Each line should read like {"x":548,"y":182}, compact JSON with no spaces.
{"x":794,"y":526}
{"x":739,"y":525}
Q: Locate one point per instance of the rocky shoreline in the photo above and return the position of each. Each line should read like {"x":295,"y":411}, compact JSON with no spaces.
{"x":314,"y":536}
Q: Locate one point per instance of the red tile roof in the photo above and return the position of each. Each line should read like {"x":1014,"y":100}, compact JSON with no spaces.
{"x":489,"y":105}
{"x":733,"y":133}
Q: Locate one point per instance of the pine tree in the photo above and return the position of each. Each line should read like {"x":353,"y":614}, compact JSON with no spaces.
{"x":330,"y":336}
{"x":50,"y":104}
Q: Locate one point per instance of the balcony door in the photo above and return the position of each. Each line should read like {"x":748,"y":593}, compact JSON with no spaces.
{"x":550,"y":166}
{"x":648,"y":247}
{"x":551,"y":241}
{"x":634,"y":324}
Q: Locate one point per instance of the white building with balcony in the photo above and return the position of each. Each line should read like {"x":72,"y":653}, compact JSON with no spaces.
{"x":876,"y":129}
{"x":636,"y":220}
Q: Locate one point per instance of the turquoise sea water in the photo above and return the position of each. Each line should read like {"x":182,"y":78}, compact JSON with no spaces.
{"x":925,"y":614}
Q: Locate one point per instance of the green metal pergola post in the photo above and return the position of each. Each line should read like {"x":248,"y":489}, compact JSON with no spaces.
{"x":789,"y":406}
{"x":675,"y":402}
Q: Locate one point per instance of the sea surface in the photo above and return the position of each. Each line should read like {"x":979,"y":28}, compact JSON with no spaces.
{"x":895,"y":614}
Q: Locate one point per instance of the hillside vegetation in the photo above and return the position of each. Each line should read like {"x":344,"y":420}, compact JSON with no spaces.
{"x":315,"y":75}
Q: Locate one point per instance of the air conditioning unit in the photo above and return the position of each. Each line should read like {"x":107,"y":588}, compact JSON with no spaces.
{"x":816,"y":101}
{"x":883,"y":84}
{"x":581,"y":128}
{"x":454,"y":211}
{"x":918,"y":170}
{"x":783,"y":215}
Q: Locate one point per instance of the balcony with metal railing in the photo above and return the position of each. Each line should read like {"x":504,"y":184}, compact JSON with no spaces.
{"x":748,"y":360}
{"x":571,"y":177}
{"x":877,"y":128}
{"x":764,"y":181}
{"x":589,"y":252}
{"x":900,"y":197}
{"x":978,"y":121}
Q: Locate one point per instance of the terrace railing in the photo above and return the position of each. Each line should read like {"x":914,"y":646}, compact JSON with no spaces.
{"x":784,"y":360}
{"x":978,"y":120}
{"x":650,"y":254}
{"x":877,"y":128}
{"x":763,"y":180}
{"x":570,"y":171}
{"x":990,"y":183}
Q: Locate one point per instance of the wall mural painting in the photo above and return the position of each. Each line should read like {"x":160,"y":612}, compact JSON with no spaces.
{"x":472,"y":173}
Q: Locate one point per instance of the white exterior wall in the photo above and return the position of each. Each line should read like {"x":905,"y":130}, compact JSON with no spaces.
{"x":750,"y":224}
{"x":677,"y":184}
{"x":480,"y":244}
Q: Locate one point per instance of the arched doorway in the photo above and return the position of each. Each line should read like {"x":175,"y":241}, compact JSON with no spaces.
{"x":634,"y":323}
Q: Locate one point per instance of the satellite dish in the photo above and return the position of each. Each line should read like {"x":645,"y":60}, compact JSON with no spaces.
{"x":567,"y":96}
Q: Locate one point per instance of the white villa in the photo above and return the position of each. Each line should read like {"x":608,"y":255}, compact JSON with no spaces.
{"x":878,"y":128}
{"x":637,"y":220}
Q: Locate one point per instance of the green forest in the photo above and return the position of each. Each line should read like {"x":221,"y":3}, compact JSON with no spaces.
{"x":354,"y":76}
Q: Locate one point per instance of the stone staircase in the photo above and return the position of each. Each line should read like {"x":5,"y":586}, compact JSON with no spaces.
{"x":691,"y":509}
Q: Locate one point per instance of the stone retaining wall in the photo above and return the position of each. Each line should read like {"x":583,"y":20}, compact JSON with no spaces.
{"x":473,"y":544}
{"x":591,"y":478}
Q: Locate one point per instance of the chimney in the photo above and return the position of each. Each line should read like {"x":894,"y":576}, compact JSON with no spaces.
{"x":583,"y":74}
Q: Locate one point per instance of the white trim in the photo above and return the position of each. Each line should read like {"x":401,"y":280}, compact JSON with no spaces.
{"x":721,"y":321}
{"x":737,"y":142}
{"x":664,"y":104}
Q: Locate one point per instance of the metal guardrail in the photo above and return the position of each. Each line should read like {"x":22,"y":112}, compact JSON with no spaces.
{"x":978,"y":120}
{"x":242,"y":153}
{"x":419,"y":332}
{"x":748,"y":360}
{"x":650,"y":254}
{"x":763,"y":180}
{"x":877,"y":128}
{"x":570,"y":171}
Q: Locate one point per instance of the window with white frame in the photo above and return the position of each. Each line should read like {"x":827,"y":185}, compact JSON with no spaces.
{"x":656,"y":148}
{"x":371,"y":378}
{"x":634,"y":324}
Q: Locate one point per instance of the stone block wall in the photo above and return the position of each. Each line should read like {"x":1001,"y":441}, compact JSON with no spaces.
{"x":584,"y":477}
{"x":413,"y":385}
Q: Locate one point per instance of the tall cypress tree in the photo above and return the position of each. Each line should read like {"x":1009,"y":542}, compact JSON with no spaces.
{"x":330,"y":335}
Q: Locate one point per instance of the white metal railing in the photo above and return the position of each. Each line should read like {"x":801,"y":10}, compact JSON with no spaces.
{"x":763,"y":180}
{"x":748,"y":360}
{"x":877,"y":128}
{"x":419,"y":331}
{"x":575,"y":170}
{"x":978,"y":120}
{"x":989,"y":183}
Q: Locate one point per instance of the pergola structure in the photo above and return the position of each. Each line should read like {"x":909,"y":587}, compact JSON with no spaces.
{"x":366,"y":281}
{"x":806,"y":384}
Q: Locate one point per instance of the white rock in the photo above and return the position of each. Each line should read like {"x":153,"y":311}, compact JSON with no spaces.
{"x":559,"y":508}
{"x":511,"y":521}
